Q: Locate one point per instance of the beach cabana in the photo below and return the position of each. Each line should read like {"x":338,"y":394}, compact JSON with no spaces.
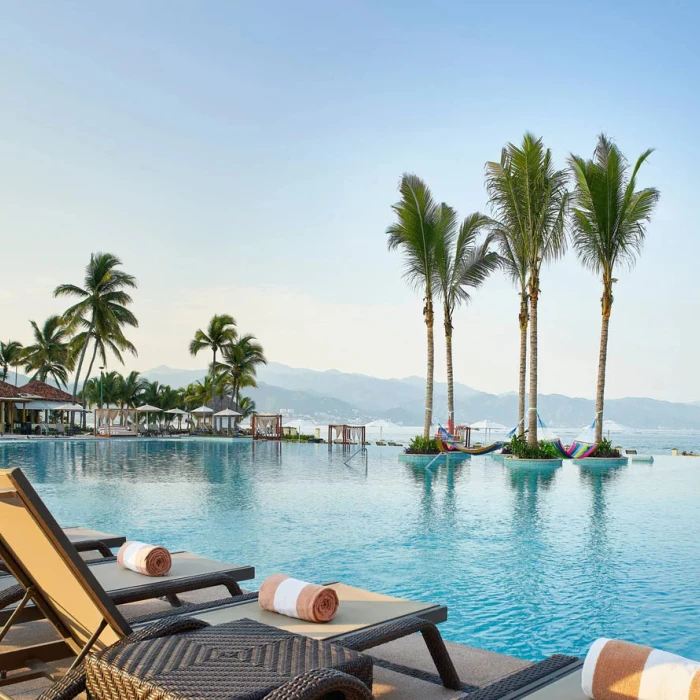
{"x":226,"y":413}
{"x":266,"y":426}
{"x":106,"y":424}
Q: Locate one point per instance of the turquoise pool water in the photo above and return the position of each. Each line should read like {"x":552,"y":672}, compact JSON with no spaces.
{"x":529,"y":564}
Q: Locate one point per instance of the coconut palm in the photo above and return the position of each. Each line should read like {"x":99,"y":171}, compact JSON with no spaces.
{"x":220,"y":332}
{"x":529,"y":199}
{"x":608,"y":229}
{"x":130,"y":390}
{"x":11,"y":355}
{"x":246,"y":406}
{"x":151,"y":393}
{"x":240,"y":360}
{"x":462,"y":264}
{"x":49,"y":355}
{"x":102,"y":307}
{"x":198,"y":393}
{"x":419,"y":221}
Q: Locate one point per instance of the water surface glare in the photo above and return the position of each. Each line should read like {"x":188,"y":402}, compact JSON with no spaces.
{"x":529,"y":564}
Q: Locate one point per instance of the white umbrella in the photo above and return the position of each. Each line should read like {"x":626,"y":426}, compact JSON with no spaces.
{"x":72,"y":407}
{"x":488,"y":425}
{"x":227,"y":413}
{"x":177,"y":412}
{"x":202,"y":410}
{"x":381,"y":424}
{"x":146,"y":408}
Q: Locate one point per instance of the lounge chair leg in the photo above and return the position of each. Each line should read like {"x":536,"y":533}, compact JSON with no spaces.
{"x":173,"y":600}
{"x":27,"y":597}
{"x":441,"y":657}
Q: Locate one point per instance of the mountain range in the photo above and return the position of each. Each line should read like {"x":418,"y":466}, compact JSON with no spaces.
{"x":334,"y":396}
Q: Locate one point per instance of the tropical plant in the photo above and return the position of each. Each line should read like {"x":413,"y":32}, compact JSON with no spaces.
{"x":151,"y":393}
{"x":220,"y":332}
{"x":246,"y":406}
{"x":49,"y":355}
{"x":529,"y":199}
{"x":101,"y":310}
{"x":462,"y":264}
{"x":519,"y":446}
{"x":419,"y":223}
{"x":605,"y":448}
{"x":11,"y":355}
{"x":198,"y":393}
{"x":421,"y":445}
{"x":130,"y":390}
{"x":239,"y":366}
{"x":608,"y":229}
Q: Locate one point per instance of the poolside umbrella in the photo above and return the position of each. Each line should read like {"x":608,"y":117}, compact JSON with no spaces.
{"x":488,"y":425}
{"x":227,"y":413}
{"x":71,"y":408}
{"x":179,"y":413}
{"x":202,"y":411}
{"x":381,"y":424}
{"x":146,"y":408}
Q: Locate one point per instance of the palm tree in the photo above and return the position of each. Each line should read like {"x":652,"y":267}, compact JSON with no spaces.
{"x":11,"y":355}
{"x":462,"y":264}
{"x":49,"y":355}
{"x":152,"y":393}
{"x":240,"y":361}
{"x":198,"y":393}
{"x":130,"y":390}
{"x":220,"y":332}
{"x":246,"y":406}
{"x":529,"y":199}
{"x":608,"y":229}
{"x":418,"y":225}
{"x":102,"y":310}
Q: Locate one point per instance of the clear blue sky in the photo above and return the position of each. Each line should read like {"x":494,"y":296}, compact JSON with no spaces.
{"x":243,"y":157}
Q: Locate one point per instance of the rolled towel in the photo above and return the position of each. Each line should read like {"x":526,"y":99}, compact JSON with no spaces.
{"x":615,"y":670}
{"x":294,"y":598}
{"x":144,"y":558}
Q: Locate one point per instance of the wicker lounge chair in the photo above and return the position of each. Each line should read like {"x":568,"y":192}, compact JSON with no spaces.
{"x":69,"y":595}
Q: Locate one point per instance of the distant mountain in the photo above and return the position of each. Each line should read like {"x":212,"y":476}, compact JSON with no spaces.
{"x":343,"y":397}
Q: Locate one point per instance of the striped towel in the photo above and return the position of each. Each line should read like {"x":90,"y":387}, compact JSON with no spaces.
{"x":144,"y":558}
{"x":615,"y":670}
{"x":294,"y":598}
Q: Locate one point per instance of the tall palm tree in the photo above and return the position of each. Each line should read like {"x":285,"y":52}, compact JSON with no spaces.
{"x":220,"y":332}
{"x":198,"y":393}
{"x":152,"y":393}
{"x":130,"y":390}
{"x":102,"y":307}
{"x":419,"y":221}
{"x":49,"y":355}
{"x":529,"y":199}
{"x":462,"y":265}
{"x":246,"y":406}
{"x":240,"y":360}
{"x":11,"y":355}
{"x":608,"y":229}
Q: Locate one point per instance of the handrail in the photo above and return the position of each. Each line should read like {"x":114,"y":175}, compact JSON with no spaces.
{"x":362,"y":449}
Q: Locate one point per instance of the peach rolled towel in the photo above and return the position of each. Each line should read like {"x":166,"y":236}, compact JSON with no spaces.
{"x":144,"y":558}
{"x":294,"y":598}
{"x":615,"y":670}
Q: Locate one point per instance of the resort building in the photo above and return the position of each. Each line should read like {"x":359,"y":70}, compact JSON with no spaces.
{"x":9,"y":398}
{"x":31,"y":407}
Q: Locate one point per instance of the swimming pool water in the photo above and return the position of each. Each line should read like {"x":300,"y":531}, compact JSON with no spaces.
{"x":529,"y":564}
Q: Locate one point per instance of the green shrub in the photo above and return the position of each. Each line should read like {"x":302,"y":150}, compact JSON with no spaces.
{"x":422,"y":446}
{"x":605,"y":449}
{"x":518,"y":447}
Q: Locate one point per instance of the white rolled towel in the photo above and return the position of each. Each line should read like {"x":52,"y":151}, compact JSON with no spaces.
{"x":143,"y":558}
{"x":615,"y":670}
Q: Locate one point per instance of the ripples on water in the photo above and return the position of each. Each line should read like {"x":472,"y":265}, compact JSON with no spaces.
{"x":529,"y":564}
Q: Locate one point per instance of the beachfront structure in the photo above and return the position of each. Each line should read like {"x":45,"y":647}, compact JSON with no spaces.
{"x":33,"y":407}
{"x":266,"y":426}
{"x":342,"y":434}
{"x":115,"y":422}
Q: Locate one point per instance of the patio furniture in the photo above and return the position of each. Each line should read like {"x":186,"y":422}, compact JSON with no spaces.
{"x":69,"y":595}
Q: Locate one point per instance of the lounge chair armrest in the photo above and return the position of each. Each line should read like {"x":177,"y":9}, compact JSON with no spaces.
{"x":158,"y":589}
{"x":388,"y":632}
{"x":11,"y":595}
{"x":94,"y":546}
{"x":318,"y":683}
{"x":191,"y":608}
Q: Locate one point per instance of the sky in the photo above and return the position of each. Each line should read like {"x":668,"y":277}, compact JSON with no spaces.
{"x":242,"y":157}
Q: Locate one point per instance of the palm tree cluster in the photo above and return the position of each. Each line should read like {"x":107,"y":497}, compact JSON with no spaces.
{"x":533,"y":216}
{"x":237,"y":367}
{"x":97,"y":320}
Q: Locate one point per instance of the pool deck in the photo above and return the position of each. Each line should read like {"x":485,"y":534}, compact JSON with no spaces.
{"x":475,"y":666}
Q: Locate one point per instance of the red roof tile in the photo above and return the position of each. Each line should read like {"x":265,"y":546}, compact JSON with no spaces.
{"x":45,"y":391}
{"x":8,"y":391}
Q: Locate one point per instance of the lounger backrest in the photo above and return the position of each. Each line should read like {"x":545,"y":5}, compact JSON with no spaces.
{"x":38,"y":553}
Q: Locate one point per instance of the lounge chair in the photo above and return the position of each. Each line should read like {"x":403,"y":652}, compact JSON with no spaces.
{"x":68,"y":593}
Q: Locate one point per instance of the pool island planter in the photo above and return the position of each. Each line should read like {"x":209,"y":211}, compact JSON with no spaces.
{"x":602,"y":462}
{"x":437,"y":458}
{"x":522,"y":463}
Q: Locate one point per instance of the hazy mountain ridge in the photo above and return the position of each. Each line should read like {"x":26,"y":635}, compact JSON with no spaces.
{"x":334,"y":395}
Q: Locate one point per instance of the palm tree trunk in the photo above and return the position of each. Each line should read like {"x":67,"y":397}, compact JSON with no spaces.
{"x":429,"y":321}
{"x":213,"y":381}
{"x":450,"y":377}
{"x":606,"y":303}
{"x":82,"y":357}
{"x":83,"y":420}
{"x":524,"y":319}
{"x":532,"y":413}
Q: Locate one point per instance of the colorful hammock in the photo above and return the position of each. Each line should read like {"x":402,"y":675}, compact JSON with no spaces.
{"x":449,"y":443}
{"x":581,"y":450}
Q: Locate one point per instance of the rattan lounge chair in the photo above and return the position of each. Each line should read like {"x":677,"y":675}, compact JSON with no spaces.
{"x":69,"y":595}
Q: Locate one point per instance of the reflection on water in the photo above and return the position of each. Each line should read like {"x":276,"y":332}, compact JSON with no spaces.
{"x":529,"y":562}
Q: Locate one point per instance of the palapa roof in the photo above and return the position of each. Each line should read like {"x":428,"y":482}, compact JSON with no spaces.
{"x":45,"y":391}
{"x":8,"y":391}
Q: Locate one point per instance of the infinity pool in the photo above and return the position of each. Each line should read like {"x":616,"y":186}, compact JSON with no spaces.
{"x":530,"y":564}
